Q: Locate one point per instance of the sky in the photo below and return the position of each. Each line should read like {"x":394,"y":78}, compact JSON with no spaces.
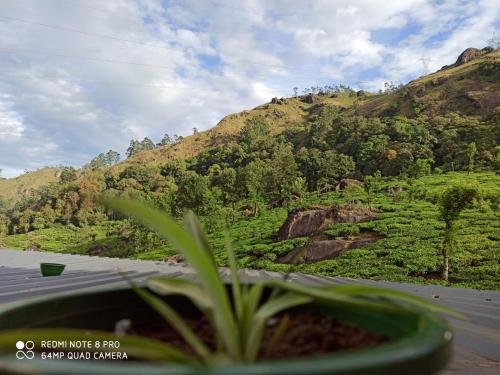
{"x":80,"y":77}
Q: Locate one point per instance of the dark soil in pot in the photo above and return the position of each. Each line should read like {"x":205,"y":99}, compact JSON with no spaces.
{"x":306,"y":333}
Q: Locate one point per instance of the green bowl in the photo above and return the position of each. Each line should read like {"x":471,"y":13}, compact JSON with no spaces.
{"x":52,"y":269}
{"x":420,"y":341}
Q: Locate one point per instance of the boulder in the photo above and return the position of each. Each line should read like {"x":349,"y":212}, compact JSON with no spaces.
{"x":347,"y":183}
{"x":300,"y":223}
{"x":315,"y":252}
{"x":468,"y":55}
{"x":280,"y":101}
{"x":328,"y":248}
{"x":95,"y":250}
{"x":309,"y":222}
{"x":309,"y":98}
{"x":350,"y":214}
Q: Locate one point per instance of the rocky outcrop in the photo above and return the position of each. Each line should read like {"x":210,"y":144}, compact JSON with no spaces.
{"x":311,"y":221}
{"x":324,"y":249}
{"x":300,"y":223}
{"x":347,"y":183}
{"x":468,"y":55}
{"x":280,"y":101}
{"x":349,"y":214}
{"x":309,"y":98}
{"x":314,"y":252}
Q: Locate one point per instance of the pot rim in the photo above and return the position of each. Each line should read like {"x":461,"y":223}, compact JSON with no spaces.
{"x":50,"y":264}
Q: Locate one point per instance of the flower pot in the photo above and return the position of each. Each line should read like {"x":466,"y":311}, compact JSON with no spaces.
{"x":420,"y":342}
{"x":52,"y":269}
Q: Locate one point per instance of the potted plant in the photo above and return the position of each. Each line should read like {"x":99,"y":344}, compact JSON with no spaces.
{"x":52,"y":269}
{"x":234,"y":328}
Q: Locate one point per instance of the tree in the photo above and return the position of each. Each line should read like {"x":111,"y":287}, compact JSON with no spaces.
{"x":225,"y":179}
{"x":452,"y":203}
{"x":147,"y":144}
{"x":255,"y":176}
{"x":112,"y":157}
{"x":284,"y":172}
{"x":166,"y":140}
{"x":68,"y":174}
{"x":99,"y":162}
{"x":192,"y":192}
{"x":139,"y":146}
{"x":422,"y":167}
{"x":323,"y":169}
{"x":134,"y":148}
{"x":256,"y":135}
{"x":471,"y":155}
{"x":371,"y":153}
{"x":371,"y":185}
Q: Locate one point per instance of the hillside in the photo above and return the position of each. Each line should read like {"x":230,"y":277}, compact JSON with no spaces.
{"x":470,"y":87}
{"x":12,"y":189}
{"x":287,"y":113}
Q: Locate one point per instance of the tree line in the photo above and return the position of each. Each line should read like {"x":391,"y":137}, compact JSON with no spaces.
{"x":258,"y":168}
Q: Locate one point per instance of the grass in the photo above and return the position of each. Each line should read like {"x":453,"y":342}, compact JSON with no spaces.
{"x":409,"y":251}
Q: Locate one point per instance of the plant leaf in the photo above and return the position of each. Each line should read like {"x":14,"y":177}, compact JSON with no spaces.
{"x":396,"y":296}
{"x":266,"y":311}
{"x":364,"y":296}
{"x":193,"y":226}
{"x":235,"y":281}
{"x":164,"y":285}
{"x":176,"y":321}
{"x":199,"y":259}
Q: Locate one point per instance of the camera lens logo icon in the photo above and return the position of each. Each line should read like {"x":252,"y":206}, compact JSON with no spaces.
{"x":25,"y":350}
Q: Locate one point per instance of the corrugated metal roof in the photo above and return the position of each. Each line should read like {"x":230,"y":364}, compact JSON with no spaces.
{"x":477,"y":340}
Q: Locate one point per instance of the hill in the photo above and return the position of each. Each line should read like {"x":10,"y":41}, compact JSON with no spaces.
{"x":470,"y":87}
{"x":372,"y":168}
{"x":12,"y":189}
{"x":285,"y":113}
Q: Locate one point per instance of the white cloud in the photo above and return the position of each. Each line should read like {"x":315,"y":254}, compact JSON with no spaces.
{"x":11,"y":124}
{"x":171,"y":66}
